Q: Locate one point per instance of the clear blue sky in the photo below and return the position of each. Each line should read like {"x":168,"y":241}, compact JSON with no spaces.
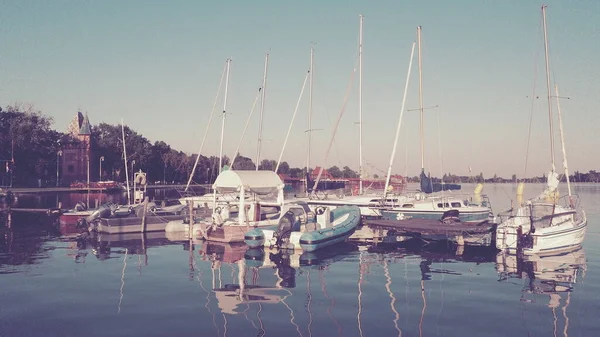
{"x":157,"y":65}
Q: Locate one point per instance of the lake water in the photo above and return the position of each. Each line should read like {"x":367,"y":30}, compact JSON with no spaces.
{"x":155,"y":285}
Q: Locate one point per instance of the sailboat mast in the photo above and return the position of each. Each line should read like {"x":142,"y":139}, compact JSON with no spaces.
{"x":389,"y":172}
{"x":125,"y":158}
{"x":548,"y":87}
{"x":310,"y":93}
{"x":360,"y":156}
{"x":224,"y":114}
{"x":562,"y":140}
{"x":421,"y":101}
{"x":262,"y":110}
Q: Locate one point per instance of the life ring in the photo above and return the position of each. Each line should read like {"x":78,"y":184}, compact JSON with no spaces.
{"x":218,"y":210}
{"x":140,"y":178}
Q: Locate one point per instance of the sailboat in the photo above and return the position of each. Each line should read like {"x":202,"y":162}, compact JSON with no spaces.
{"x":546,"y":223}
{"x":423,"y":205}
{"x":319,"y":179}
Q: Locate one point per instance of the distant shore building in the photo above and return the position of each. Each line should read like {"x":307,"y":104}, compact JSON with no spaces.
{"x":78,"y":158}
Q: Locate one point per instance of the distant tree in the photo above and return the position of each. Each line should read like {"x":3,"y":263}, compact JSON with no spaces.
{"x":335,"y":172}
{"x":296,"y":172}
{"x":267,"y":164}
{"x":284,"y":168}
{"x":347,"y":172}
{"x":243,"y":163}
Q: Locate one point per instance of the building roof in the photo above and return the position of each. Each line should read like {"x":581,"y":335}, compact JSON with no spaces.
{"x":85,"y":128}
{"x":324,"y":175}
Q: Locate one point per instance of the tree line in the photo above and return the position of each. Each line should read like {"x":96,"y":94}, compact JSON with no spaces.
{"x":29,"y":151}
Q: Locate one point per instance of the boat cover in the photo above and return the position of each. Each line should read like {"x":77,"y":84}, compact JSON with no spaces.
{"x":259,"y":182}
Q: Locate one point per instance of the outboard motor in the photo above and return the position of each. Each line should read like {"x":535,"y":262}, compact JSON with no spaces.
{"x":105,"y":210}
{"x":285,"y":228}
{"x":80,"y":206}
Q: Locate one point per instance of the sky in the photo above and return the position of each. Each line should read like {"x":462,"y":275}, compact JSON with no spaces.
{"x":158,"y":64}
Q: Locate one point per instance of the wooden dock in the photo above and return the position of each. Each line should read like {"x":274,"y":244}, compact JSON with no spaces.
{"x":479,"y":233}
{"x":426,"y":226}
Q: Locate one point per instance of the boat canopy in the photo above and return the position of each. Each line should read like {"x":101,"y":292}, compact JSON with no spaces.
{"x":259,"y":182}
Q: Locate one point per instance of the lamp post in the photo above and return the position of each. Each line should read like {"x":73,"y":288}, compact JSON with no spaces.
{"x":101,"y":160}
{"x":58,"y":155}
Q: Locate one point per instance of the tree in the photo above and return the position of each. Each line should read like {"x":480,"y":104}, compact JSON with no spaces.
{"x":349,"y":173}
{"x":243,"y":163}
{"x":284,"y":168}
{"x":35,"y":144}
{"x":267,"y":164}
{"x":335,"y":172}
{"x":296,"y":172}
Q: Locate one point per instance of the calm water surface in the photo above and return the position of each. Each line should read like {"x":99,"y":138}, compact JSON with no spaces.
{"x":52,"y":284}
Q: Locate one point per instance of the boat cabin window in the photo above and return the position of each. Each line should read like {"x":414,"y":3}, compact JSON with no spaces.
{"x":408,"y":206}
{"x":456,"y":204}
{"x":443,"y":205}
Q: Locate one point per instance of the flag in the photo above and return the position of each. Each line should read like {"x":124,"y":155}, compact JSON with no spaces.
{"x":7,"y":168}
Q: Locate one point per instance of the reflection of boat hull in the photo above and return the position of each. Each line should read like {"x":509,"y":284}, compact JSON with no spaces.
{"x":559,"y":270}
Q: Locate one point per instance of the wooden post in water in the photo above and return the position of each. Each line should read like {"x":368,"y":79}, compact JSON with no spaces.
{"x":191,"y":226}
{"x":143,"y":227}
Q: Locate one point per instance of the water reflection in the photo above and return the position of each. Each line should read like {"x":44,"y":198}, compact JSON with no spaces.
{"x":347,"y":290}
{"x":553,"y":275}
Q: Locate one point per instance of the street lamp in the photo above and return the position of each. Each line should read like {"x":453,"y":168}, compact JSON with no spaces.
{"x":58,"y":155}
{"x":101,"y":160}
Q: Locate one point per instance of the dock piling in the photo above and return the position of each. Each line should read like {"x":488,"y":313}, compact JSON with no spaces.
{"x":143,"y":226}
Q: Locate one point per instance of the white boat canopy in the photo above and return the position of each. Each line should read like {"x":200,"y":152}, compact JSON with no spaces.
{"x":259,"y":182}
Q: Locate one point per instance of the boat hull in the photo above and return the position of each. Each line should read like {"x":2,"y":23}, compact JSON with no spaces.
{"x":566,"y":231}
{"x":133,"y":224}
{"x":345,"y":220}
{"x":407,"y":213}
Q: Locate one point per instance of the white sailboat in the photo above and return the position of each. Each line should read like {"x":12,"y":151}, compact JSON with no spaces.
{"x":545,"y":224}
{"x":423,"y":205}
{"x":210,"y":199}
